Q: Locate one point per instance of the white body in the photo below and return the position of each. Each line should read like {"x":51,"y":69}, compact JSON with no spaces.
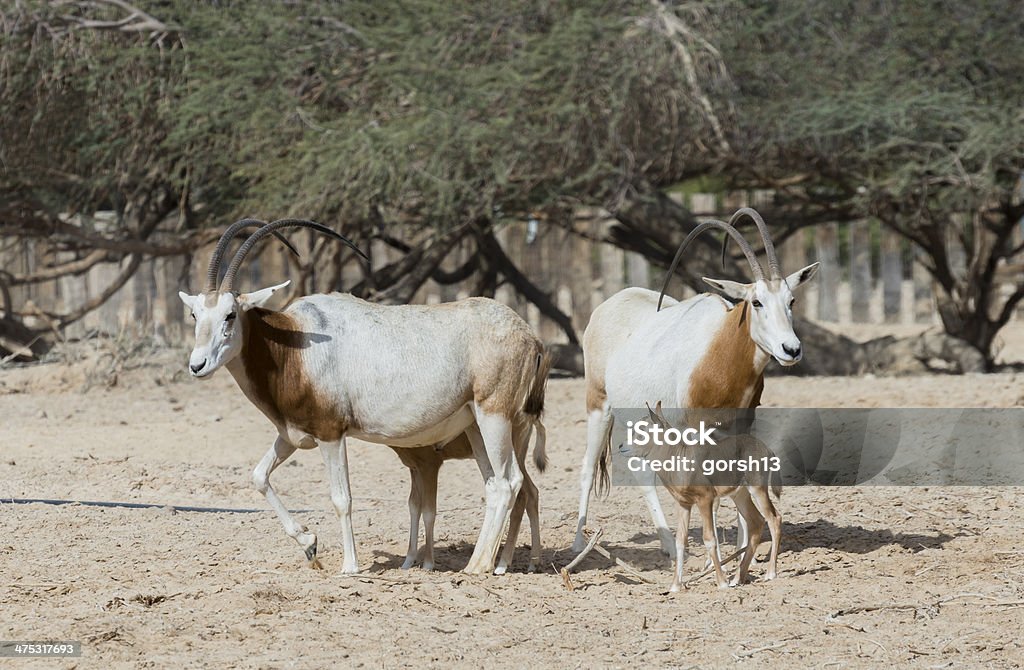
{"x":334,"y":366}
{"x":697,"y":353}
{"x":618,"y":347}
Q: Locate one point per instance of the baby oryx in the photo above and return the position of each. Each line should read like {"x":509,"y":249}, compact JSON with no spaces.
{"x":334,"y":366}
{"x":704,"y":352}
{"x":697,"y":488}
{"x":424,"y":464}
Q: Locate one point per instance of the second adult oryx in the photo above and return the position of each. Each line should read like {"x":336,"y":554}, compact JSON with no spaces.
{"x":705,"y":352}
{"x":334,"y":366}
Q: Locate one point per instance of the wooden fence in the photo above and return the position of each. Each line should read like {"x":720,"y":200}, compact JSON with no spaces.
{"x":868,"y":275}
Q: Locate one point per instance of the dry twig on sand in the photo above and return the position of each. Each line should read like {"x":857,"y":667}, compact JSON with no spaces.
{"x":593,"y":545}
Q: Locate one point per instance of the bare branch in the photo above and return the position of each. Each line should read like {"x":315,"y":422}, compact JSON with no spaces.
{"x":137,"y":21}
{"x":76,"y":267}
{"x":677,"y":32}
{"x":119,"y":281}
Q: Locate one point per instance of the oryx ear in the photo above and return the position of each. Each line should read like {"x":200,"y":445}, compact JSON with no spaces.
{"x":651,"y":413}
{"x":801,"y":276}
{"x":189,"y":300}
{"x":732,"y":289}
{"x":656,"y":415}
{"x":257,"y":298}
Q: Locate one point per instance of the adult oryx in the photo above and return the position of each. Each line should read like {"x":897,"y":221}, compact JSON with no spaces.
{"x":704,"y":352}
{"x":333,"y":366}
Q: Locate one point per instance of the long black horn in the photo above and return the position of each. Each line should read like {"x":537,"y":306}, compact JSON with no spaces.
{"x":732,"y":232}
{"x":766,"y":238}
{"x":228,"y":284}
{"x":225,"y":240}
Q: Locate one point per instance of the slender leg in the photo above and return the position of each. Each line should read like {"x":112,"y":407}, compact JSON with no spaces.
{"x":500,"y":490}
{"x":682,"y":531}
{"x":476,"y":441}
{"x":336,"y":460}
{"x":514,"y":522}
{"x":721,"y":538}
{"x":744,"y":526}
{"x":599,"y":426}
{"x":533,"y":511}
{"x":429,"y":511}
{"x":647,"y":480}
{"x":774,"y":519}
{"x":520,"y":439}
{"x":274,"y":457}
{"x":747,"y":515}
{"x":711,"y":538}
{"x":415,"y":504}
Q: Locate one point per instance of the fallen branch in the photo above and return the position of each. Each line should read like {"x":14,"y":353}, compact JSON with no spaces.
{"x":708,"y":571}
{"x":935,"y":606}
{"x":576,"y":561}
{"x":747,"y":653}
{"x":593,"y":545}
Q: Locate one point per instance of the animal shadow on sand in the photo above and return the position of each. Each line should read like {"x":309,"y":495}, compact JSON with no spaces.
{"x":453,"y":556}
{"x":644,"y":551}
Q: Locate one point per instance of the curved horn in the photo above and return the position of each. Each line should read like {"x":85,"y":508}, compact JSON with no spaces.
{"x":732,"y":232}
{"x":769,"y":246}
{"x":228,"y":284}
{"x":222,"y":246}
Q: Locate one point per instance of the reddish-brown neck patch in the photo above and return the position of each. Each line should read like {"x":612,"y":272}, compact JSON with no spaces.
{"x":277,"y":377}
{"x":726,"y":375}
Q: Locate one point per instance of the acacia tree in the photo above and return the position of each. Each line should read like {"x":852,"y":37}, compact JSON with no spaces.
{"x":910,"y":114}
{"x":432,"y":126}
{"x":422,"y":128}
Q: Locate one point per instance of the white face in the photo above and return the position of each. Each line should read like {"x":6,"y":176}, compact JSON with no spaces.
{"x":219,"y":329}
{"x":771,"y":310}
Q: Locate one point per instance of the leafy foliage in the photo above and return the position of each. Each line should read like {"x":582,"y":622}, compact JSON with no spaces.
{"x":429,"y":115}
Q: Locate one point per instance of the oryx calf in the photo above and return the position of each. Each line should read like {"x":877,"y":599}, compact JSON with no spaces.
{"x":424,"y":463}
{"x":750,"y":492}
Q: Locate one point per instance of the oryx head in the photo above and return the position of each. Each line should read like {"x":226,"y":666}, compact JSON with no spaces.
{"x":219,"y":312}
{"x":770,"y":299}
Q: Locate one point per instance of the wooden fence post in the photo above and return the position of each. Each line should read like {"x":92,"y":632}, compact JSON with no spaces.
{"x":826,"y":247}
{"x":638,"y":270}
{"x":505,"y":293}
{"x":924,"y":312}
{"x":892,"y":276}
{"x":612,"y":268}
{"x":792,"y":257}
{"x":955,"y":249}
{"x":75,"y":292}
{"x":860,"y":271}
{"x":581,"y":281}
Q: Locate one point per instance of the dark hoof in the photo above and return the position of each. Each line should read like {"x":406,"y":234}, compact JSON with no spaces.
{"x":311,"y":552}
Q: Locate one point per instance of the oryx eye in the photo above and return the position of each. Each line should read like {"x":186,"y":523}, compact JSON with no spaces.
{"x":756,"y":303}
{"x":193,"y":315}
{"x":792,"y":302}
{"x":230,"y":317}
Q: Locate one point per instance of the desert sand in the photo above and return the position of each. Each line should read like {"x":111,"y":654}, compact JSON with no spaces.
{"x":869,"y":576}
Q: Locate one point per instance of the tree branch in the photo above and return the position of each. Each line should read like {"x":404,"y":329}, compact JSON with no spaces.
{"x":76,"y":267}
{"x":490,"y":246}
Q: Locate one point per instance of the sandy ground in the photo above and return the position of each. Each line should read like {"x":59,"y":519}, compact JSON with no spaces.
{"x":920,"y":577}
